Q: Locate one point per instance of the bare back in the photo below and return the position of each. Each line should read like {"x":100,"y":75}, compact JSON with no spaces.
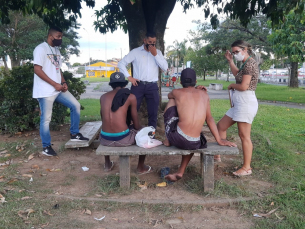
{"x":192,"y":108}
{"x":115,"y":122}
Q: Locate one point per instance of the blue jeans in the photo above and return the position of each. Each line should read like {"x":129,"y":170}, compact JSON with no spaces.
{"x":46,"y":105}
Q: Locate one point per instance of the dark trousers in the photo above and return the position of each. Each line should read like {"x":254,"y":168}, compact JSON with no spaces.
{"x":151,"y":94}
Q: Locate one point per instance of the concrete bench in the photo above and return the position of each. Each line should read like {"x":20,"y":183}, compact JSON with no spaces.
{"x":206,"y":159}
{"x":89,"y":130}
{"x":216,"y":86}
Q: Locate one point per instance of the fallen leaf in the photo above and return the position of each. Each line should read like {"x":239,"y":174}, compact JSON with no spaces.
{"x":272,"y":203}
{"x":87,"y":211}
{"x":97,"y":195}
{"x":3,"y":152}
{"x":12,"y":181}
{"x":162,"y":184}
{"x":279,"y":217}
{"x":115,"y":219}
{"x":31,"y":157}
{"x":47,"y":213}
{"x":44,"y":225}
{"x":142,"y":185}
{"x":26,"y":198}
{"x":53,"y":170}
{"x":18,"y":133}
{"x":21,"y":190}
{"x":35,"y":167}
{"x":2,"y":199}
{"x":27,"y":175}
{"x":25,"y":214}
{"x":267,"y":214}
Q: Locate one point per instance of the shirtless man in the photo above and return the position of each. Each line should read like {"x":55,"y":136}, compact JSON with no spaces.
{"x":118,"y":109}
{"x":187,"y":110}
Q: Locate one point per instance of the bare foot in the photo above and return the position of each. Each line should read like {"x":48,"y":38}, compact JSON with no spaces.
{"x":166,"y":143}
{"x":108,"y":167}
{"x":173,"y":177}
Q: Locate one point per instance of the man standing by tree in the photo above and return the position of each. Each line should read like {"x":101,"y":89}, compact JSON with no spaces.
{"x":50,"y":86}
{"x":146,"y":61}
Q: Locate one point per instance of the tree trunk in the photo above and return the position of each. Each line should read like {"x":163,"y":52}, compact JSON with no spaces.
{"x":204,"y":75}
{"x":216,"y":74}
{"x":15,"y":62}
{"x":293,"y":81}
{"x":147,"y":15}
{"x":5,"y":62}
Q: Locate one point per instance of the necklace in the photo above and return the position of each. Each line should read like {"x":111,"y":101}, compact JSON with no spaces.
{"x":241,"y":68}
{"x":55,"y":56}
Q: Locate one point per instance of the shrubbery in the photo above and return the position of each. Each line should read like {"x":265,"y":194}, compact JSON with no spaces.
{"x":18,"y":110}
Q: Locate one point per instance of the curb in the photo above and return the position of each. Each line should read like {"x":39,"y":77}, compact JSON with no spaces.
{"x":282,"y":102}
{"x":206,"y":203}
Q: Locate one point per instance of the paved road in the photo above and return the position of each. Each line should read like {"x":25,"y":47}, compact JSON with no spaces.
{"x":95,"y":90}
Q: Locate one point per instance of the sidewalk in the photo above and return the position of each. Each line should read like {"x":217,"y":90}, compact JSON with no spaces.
{"x":102,"y":88}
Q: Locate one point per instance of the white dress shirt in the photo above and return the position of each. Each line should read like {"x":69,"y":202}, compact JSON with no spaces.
{"x":145,"y":65}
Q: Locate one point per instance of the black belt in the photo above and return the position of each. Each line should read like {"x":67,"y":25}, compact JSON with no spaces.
{"x":146,"y":82}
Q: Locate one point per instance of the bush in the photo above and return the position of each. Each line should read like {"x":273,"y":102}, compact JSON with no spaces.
{"x":18,"y":110}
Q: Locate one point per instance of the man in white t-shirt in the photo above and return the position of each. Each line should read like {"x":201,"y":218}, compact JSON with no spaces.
{"x":50,"y":86}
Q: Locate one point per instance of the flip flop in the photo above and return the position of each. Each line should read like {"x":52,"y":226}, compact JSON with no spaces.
{"x":108,"y":170}
{"x":243,"y":173}
{"x":150,"y":170}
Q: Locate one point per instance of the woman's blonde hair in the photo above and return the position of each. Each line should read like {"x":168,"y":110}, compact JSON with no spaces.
{"x":243,"y":44}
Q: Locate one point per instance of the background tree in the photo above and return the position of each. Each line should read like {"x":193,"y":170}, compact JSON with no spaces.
{"x":205,"y":59}
{"x":19,"y":38}
{"x":256,"y":33}
{"x":178,"y":50}
{"x":288,"y":41}
{"x":76,"y":64}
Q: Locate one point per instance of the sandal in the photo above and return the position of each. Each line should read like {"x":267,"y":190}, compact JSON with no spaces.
{"x":245,"y":172}
{"x":150,"y":170}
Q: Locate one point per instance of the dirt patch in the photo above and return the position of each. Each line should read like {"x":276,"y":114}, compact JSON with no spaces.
{"x":63,"y":175}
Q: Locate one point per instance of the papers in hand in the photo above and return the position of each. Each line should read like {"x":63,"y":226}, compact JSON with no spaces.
{"x":231,"y":97}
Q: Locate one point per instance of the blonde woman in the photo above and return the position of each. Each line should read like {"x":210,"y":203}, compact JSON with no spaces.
{"x":244,"y":100}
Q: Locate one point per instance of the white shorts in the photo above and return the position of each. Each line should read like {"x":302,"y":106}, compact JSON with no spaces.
{"x":245,"y":106}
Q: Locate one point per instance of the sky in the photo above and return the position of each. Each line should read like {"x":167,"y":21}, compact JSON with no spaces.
{"x":100,"y":46}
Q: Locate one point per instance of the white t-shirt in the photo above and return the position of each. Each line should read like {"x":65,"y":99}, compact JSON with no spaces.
{"x":50,"y":59}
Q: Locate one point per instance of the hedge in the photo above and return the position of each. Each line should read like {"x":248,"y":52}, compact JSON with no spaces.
{"x":18,"y":110}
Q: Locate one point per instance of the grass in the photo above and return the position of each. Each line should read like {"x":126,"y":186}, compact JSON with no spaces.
{"x":267,"y":91}
{"x":282,"y":162}
{"x":278,"y":158}
{"x":96,"y":79}
{"x":91,"y":111}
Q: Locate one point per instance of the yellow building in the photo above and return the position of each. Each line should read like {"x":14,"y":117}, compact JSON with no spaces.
{"x":101,"y":69}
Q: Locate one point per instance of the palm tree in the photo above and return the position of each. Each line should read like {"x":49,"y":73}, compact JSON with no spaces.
{"x":178,"y":50}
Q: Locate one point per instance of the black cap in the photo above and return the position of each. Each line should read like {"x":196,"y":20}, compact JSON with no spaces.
{"x":117,"y":77}
{"x":188,"y":75}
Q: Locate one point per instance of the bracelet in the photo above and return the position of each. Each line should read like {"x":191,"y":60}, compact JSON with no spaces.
{"x":64,"y":83}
